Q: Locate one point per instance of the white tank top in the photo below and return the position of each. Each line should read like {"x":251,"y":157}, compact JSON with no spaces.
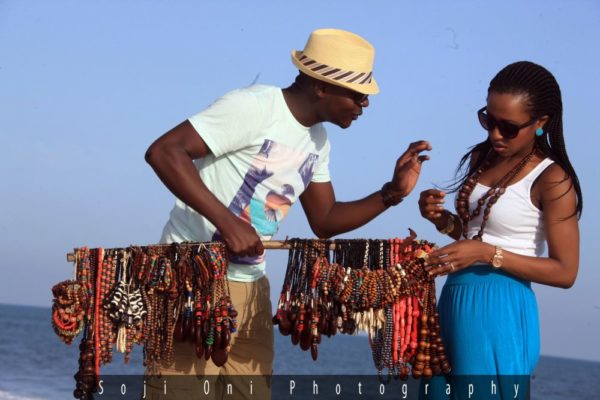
{"x":514,"y":224}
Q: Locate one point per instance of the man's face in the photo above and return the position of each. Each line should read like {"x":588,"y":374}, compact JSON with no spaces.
{"x":343,"y":106}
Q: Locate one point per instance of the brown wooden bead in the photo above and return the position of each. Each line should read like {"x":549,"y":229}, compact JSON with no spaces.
{"x":219,"y":357}
{"x":295,"y":337}
{"x":305,"y":340}
{"x":314,"y":352}
{"x":192,"y":332}
{"x":208,"y":349}
{"x":199,"y":350}
{"x":225,"y":338}
{"x":199,"y":337}
{"x":292,"y":315}
{"x":218,"y":340}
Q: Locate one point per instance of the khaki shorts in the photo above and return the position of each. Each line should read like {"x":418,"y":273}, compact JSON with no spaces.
{"x":247,"y":373}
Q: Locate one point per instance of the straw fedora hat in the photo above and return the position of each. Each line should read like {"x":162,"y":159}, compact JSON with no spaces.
{"x":338,"y":57}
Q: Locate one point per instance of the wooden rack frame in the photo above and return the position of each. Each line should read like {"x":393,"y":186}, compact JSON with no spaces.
{"x":268,"y":245}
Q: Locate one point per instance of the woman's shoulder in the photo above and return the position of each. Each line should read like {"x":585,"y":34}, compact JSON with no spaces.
{"x":553,"y":173}
{"x":554,"y":183}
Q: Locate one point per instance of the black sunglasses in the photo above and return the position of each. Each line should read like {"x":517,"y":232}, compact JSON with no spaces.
{"x":507,"y":130}
{"x":360,"y":98}
{"x":357,"y":97}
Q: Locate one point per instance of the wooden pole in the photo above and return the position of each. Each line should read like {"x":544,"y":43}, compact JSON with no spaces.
{"x":268,"y":245}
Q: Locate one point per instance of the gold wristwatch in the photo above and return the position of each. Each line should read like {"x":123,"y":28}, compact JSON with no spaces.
{"x":497,"y":258}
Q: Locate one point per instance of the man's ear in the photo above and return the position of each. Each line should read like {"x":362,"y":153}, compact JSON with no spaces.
{"x":319,"y":88}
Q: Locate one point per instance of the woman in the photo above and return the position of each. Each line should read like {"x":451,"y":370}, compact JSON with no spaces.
{"x":518,"y":192}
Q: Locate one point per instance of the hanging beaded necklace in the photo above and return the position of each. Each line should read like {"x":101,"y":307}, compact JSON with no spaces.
{"x":155,"y":295}
{"x":375,"y":286}
{"x":490,"y":197}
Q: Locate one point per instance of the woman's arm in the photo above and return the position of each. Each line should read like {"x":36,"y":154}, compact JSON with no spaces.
{"x":558,"y":201}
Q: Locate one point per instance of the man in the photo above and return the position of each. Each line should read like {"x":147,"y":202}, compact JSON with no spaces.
{"x":238,"y":166}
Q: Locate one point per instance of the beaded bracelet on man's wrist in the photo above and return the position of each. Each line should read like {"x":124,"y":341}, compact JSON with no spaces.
{"x":390,"y":198}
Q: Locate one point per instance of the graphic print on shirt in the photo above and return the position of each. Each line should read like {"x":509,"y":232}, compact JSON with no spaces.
{"x":277,"y":176}
{"x":307,"y":169}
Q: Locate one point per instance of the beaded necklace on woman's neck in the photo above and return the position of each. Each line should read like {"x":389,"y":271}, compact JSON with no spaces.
{"x":490,"y":197}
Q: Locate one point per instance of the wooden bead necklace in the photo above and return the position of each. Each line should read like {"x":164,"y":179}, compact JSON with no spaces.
{"x":154,"y":295}
{"x":148,"y":296}
{"x":375,"y":286}
{"x":490,"y":197}
{"x":68,"y":310}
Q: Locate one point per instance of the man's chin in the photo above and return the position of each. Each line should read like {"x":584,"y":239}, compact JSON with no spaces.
{"x":345,"y":124}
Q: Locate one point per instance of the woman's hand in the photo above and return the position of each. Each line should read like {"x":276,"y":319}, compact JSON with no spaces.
{"x":431,"y":204}
{"x":458,"y":255}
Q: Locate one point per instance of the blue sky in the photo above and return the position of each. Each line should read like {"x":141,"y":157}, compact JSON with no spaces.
{"x":85,"y":87}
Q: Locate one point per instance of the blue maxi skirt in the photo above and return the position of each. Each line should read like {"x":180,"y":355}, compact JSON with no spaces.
{"x":489,"y":322}
{"x":490,"y":328}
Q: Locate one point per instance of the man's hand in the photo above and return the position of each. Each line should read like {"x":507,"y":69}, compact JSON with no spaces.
{"x":171,"y":156}
{"x":408,"y":168}
{"x":241,"y":238}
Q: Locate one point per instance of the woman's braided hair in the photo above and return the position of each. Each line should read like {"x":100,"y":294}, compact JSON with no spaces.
{"x":542,"y":94}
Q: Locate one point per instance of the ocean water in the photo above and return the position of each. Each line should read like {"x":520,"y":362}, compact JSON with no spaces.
{"x":36,"y":365}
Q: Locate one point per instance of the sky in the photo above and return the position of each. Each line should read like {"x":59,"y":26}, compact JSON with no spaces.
{"x":86,"y":87}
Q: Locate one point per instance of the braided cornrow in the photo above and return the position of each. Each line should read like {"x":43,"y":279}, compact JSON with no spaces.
{"x":542,"y":95}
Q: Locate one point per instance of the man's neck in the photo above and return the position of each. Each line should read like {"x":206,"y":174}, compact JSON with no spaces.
{"x":300,"y":105}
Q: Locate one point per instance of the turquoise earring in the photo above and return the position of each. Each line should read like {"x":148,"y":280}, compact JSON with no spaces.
{"x":539,"y":132}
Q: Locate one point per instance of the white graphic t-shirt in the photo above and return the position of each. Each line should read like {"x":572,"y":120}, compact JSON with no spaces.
{"x":262,"y":160}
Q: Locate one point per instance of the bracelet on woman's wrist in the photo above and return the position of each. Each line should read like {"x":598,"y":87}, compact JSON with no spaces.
{"x":449,"y":228}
